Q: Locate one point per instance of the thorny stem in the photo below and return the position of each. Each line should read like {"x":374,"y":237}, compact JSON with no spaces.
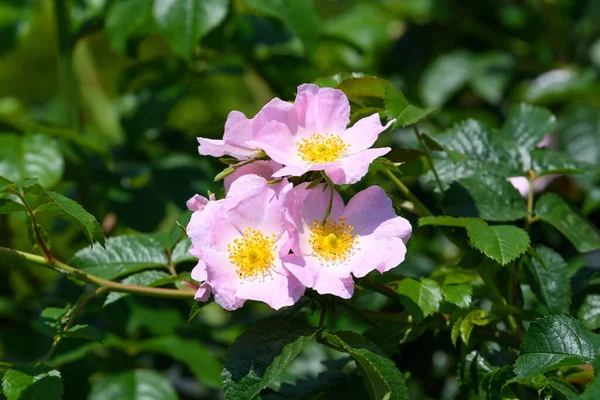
{"x":96,"y":280}
{"x":428,"y":155}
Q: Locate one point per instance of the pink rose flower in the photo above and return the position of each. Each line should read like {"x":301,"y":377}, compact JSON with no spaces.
{"x":239,"y":130}
{"x":241,"y":239}
{"x":262,"y":168}
{"x":356,"y":239}
{"x":314,"y":136}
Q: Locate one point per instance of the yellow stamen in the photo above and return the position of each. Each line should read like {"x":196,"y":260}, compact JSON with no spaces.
{"x":322,"y":149}
{"x":252,"y":254}
{"x":332,"y":241}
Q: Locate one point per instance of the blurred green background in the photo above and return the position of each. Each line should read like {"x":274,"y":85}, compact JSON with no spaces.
{"x":103,"y":101}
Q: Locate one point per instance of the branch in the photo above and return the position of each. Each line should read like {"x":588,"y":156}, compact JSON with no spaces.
{"x":96,"y":280}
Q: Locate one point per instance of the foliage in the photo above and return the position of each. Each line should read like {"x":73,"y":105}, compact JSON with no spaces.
{"x":494,"y":162}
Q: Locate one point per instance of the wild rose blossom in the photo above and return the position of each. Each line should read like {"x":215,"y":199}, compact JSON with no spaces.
{"x":355,"y":239}
{"x":240,"y":240}
{"x":314,"y":136}
{"x":239,"y":130}
{"x":262,"y":168}
{"x":197,"y":204}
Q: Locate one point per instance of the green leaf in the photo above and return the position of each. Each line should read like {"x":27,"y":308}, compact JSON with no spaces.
{"x":562,"y":390}
{"x":139,"y":384}
{"x":579,"y":132}
{"x":490,"y":75}
{"x":589,"y":312}
{"x":546,"y":162}
{"x":485,"y":196}
{"x":122,"y":255}
{"x":124,"y":18}
{"x":183,"y":22}
{"x":83,"y":332}
{"x":380,"y":375}
{"x":31,"y":156}
{"x":444,"y":77}
{"x":204,"y":364}
{"x":69,"y":210}
{"x":261,"y":353}
{"x":495,"y":382}
{"x":149,"y":278}
{"x":32,"y":383}
{"x":475,"y":317}
{"x":553,"y":342}
{"x":181,"y":252}
{"x":224,"y":174}
{"x":397,"y":106}
{"x":443,"y":220}
{"x":8,"y":206}
{"x":549,"y":280}
{"x":425,"y":294}
{"x":502,"y":243}
{"x":301,"y":16}
{"x":459,"y":295}
{"x":552,"y":209}
{"x":363,"y":86}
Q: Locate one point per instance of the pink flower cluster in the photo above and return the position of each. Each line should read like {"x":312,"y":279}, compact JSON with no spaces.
{"x":269,"y":240}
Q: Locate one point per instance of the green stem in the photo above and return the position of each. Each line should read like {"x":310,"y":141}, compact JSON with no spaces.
{"x":530,"y":218}
{"x":428,"y":155}
{"x":96,"y":280}
{"x":36,"y":229}
{"x":331,"y":188}
{"x":380,"y":287}
{"x":67,"y":83}
{"x":408,"y":194}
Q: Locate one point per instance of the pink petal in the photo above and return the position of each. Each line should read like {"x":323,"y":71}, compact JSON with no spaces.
{"x":364,"y":133}
{"x":226,"y":298}
{"x":203,"y":293}
{"x":262,"y":168}
{"x":197,"y":203}
{"x":275,"y":139}
{"x":218,"y":148}
{"x":311,"y":273}
{"x":238,"y":129}
{"x":368,"y":209}
{"x":290,"y":170}
{"x":380,"y":254}
{"x":211,"y":227}
{"x":352,"y":168}
{"x":278,"y":290}
{"x":199,"y":272}
{"x":521,"y":184}
{"x":320,"y":110}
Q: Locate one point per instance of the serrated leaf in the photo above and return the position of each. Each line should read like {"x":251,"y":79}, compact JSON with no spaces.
{"x":589,"y":312}
{"x":549,"y":280}
{"x":149,"y":278}
{"x":546,"y":162}
{"x":196,"y":307}
{"x":562,"y":390}
{"x":205,"y":366}
{"x":475,"y":317}
{"x":301,"y":16}
{"x":8,"y":206}
{"x":31,"y":383}
{"x":183,"y":22}
{"x":485,"y":196}
{"x":181,"y":252}
{"x":502,"y":243}
{"x":552,"y":209}
{"x":425,"y":294}
{"x":473,"y":369}
{"x":122,"y":255}
{"x":380,"y":375}
{"x":139,"y":384}
{"x":398,"y":107}
{"x":261,"y":353}
{"x":553,"y":342}
{"x":69,"y":210}
{"x":495,"y":382}
{"x":83,"y":331}
{"x":443,"y":220}
{"x":459,"y":295}
{"x":124,"y":18}
{"x":31,"y":156}
{"x":444,"y":77}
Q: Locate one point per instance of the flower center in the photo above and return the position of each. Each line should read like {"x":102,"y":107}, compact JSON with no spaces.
{"x":321,"y":149}
{"x":332,"y":241}
{"x":252,"y":254}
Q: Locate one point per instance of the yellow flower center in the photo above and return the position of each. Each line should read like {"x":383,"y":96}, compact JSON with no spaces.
{"x":252,"y":254}
{"x":322,"y":149}
{"x":332,"y":241}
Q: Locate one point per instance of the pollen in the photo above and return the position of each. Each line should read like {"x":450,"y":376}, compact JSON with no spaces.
{"x":253,"y":254}
{"x":332,"y":241}
{"x":322,"y":149}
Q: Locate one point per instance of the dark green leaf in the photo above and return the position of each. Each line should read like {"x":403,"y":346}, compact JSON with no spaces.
{"x":495,"y":382}
{"x":261,"y":353}
{"x":31,"y":156}
{"x":397,"y":106}
{"x":83,"y":332}
{"x":459,"y":295}
{"x":554,"y":342}
{"x":139,"y":384}
{"x":443,"y":220}
{"x":363,"y":86}
{"x":181,"y":252}
{"x":196,"y":307}
{"x":411,"y":115}
{"x":122,"y":255}
{"x":149,"y":278}
{"x":546,"y":162}
{"x":183,"y":22}
{"x":502,"y":243}
{"x":549,"y":280}
{"x":32,"y":383}
{"x":69,"y":210}
{"x":380,"y":375}
{"x":579,"y":132}
{"x":444,"y":77}
{"x":562,"y":390}
{"x":203,"y":363}
{"x":552,"y":209}
{"x":425,"y":294}
{"x":123,"y":20}
{"x":8,"y":205}
{"x":301,"y":16}
{"x":485,"y":196}
{"x":589,"y":312}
